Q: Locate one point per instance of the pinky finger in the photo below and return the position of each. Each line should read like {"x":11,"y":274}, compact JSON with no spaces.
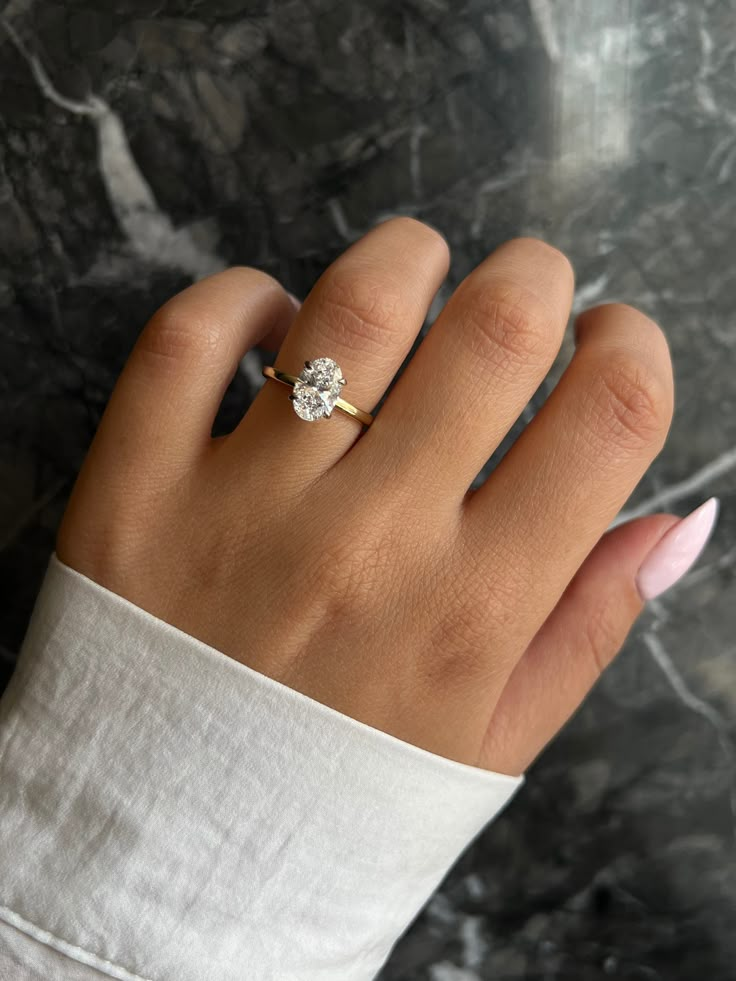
{"x":585,"y":631}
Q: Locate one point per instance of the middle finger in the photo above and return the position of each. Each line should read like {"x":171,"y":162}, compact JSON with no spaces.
{"x":473,"y":374}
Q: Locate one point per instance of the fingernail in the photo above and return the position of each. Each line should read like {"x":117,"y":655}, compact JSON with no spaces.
{"x":297,"y":303}
{"x":677,"y":550}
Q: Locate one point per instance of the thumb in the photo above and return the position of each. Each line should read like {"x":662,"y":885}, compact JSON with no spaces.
{"x":587,"y":628}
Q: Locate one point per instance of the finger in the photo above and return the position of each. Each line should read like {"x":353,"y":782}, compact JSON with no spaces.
{"x":365,"y":313}
{"x":477,"y":368}
{"x":168,"y":394}
{"x":578,"y":641}
{"x":567,"y":476}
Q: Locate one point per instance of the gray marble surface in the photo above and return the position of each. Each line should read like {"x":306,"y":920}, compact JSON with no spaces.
{"x":144,"y":143}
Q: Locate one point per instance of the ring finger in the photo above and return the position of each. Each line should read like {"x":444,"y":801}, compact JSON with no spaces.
{"x":364,"y":312}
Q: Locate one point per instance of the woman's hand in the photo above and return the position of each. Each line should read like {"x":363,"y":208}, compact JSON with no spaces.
{"x":358,"y":569}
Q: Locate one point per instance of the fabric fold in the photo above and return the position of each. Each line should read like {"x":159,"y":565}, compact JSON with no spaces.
{"x":178,"y":816}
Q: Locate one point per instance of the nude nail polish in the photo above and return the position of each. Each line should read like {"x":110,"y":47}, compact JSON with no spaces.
{"x":676,"y":552}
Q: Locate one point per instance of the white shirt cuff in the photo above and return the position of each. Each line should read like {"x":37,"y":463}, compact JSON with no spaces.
{"x":170,"y":814}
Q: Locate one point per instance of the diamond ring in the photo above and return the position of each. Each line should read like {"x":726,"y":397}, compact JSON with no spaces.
{"x":317,"y":391}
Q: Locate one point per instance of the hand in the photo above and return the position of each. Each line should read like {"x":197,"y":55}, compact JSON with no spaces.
{"x":359,"y":569}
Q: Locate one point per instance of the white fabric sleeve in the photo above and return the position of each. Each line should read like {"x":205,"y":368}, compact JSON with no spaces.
{"x":169,"y":814}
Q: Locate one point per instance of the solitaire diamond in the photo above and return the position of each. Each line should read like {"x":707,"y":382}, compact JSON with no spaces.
{"x":317,"y":389}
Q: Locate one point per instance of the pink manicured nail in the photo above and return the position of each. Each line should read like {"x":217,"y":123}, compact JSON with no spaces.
{"x":677,"y":550}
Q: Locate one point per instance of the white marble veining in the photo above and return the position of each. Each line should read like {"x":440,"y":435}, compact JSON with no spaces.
{"x":145,"y":145}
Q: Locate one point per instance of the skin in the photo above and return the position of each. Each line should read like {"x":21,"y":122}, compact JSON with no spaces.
{"x":356,"y":566}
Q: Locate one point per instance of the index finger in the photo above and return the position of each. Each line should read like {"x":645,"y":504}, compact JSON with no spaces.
{"x":165,"y":401}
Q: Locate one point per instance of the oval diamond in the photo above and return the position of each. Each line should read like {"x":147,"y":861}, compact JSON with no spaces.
{"x":308,"y":403}
{"x":317,"y":389}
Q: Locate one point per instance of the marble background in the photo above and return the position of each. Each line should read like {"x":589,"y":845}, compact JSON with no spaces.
{"x":144,"y":143}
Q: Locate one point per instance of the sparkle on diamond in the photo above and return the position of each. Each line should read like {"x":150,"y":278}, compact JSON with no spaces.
{"x":308,"y":403}
{"x":317,"y":389}
{"x":323,"y":374}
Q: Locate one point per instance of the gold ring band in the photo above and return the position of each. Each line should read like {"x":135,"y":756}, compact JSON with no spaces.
{"x":286,"y":379}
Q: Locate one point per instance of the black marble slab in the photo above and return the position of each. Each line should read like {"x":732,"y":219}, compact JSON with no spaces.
{"x":145,"y":143}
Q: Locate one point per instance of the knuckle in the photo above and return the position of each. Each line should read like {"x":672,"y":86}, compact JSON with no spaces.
{"x":602,"y":636}
{"x":409,"y":226}
{"x":632,"y":405}
{"x":176,"y":337}
{"x":242,"y":277}
{"x":549,"y":253}
{"x":244,"y":280}
{"x":625,"y":313}
{"x":591,"y":321}
{"x":358,"y":305}
{"x":186,"y":330}
{"x":507,"y":326}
